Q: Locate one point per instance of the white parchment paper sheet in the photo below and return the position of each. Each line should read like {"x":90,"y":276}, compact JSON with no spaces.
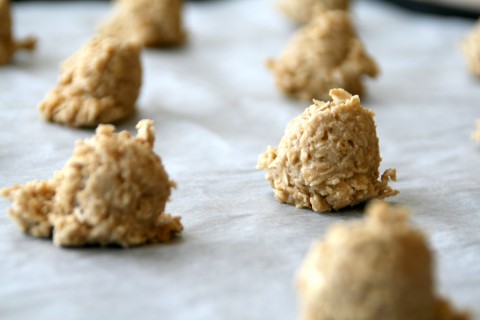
{"x":216,"y":108}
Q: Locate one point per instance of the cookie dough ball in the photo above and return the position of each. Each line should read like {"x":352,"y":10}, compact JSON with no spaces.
{"x":476,"y":133}
{"x":113,"y":190}
{"x":328,"y":158}
{"x":302,"y":11}
{"x":378,"y":268}
{"x":323,"y":55}
{"x":151,"y":23}
{"x":98,"y":84}
{"x":471,"y":49}
{"x":8,"y":45}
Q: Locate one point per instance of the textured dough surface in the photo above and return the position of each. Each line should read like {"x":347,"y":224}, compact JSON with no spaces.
{"x":302,"y":11}
{"x":150,"y":23}
{"x":98,"y":84}
{"x":471,"y":49}
{"x":328,"y":158}
{"x":113,"y":190}
{"x":8,"y":45}
{"x":324,"y":54}
{"x":377,"y":268}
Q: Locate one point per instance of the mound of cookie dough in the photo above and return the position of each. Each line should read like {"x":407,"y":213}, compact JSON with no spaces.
{"x":98,"y":84}
{"x":378,"y":268}
{"x":328,"y":158}
{"x":476,"y":133}
{"x":113,"y":190}
{"x":8,"y":45}
{"x":302,"y":11}
{"x":150,"y":23}
{"x":471,"y":49}
{"x":324,"y":54}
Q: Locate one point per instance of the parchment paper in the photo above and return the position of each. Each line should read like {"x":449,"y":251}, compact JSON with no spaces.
{"x":216,"y":108}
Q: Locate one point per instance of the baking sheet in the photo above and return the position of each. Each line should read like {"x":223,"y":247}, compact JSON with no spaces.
{"x":472,"y":4}
{"x":216,"y":108}
{"x":460,"y":8}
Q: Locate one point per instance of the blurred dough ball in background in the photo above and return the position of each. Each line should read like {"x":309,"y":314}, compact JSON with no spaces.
{"x":377,"y":268}
{"x":98,"y":84}
{"x":150,"y":23}
{"x":324,"y":54}
{"x":8,"y":45}
{"x":302,"y":11}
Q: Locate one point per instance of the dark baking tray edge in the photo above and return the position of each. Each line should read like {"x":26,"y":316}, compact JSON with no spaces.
{"x":438,"y":9}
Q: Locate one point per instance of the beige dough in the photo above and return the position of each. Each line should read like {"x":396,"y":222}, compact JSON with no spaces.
{"x":8,"y":45}
{"x":471,"y":49}
{"x":476,"y":133}
{"x":324,"y":54}
{"x":302,"y":11}
{"x":113,"y":190}
{"x":377,"y":268}
{"x":328,"y":158}
{"x":151,"y":23}
{"x":98,"y":84}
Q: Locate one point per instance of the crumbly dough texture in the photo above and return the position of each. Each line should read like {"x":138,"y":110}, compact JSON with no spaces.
{"x":471,"y":49}
{"x":328,"y":158}
{"x":8,"y":45}
{"x":302,"y":11}
{"x":378,"y":268}
{"x":151,"y":23}
{"x":98,"y":84}
{"x":324,"y":54}
{"x":113,"y":190}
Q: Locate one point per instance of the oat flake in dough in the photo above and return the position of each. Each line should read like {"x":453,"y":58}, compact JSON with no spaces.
{"x":8,"y":45}
{"x":150,"y":23}
{"x":328,"y":158}
{"x":302,"y":11}
{"x":113,"y":190}
{"x":324,"y":54}
{"x":98,"y":84}
{"x":377,"y":268}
